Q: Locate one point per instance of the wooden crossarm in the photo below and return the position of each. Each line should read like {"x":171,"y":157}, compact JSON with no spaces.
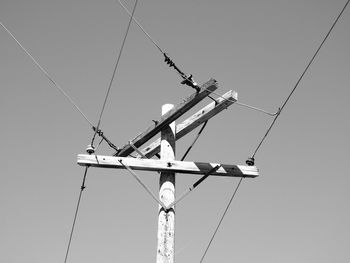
{"x":171,"y":116}
{"x":167,"y":166}
{"x":194,"y":121}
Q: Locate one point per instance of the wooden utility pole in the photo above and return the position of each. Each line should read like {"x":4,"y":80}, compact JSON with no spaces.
{"x":167,"y":166}
{"x":166,"y":219}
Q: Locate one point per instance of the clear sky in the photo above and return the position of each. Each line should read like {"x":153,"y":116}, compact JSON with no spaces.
{"x":296,"y":211}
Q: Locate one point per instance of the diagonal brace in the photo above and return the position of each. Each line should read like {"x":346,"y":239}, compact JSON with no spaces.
{"x":143,"y":185}
{"x":169,"y":117}
{"x":137,"y":150}
{"x":191,"y":123}
{"x":198,"y":182}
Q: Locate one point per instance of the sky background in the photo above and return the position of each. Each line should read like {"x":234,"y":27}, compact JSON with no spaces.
{"x":296,"y":211}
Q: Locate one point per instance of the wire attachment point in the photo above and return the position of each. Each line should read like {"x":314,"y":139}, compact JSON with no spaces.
{"x":90,"y":149}
{"x":100,"y":133}
{"x":250,"y":161}
{"x":187,"y":80}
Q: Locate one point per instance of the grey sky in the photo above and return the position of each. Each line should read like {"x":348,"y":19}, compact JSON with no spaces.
{"x":296,"y":211}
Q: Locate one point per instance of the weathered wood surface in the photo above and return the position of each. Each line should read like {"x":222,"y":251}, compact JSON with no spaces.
{"x":194,"y":121}
{"x":171,"y":166}
{"x":166,"y":218}
{"x":171,"y":116}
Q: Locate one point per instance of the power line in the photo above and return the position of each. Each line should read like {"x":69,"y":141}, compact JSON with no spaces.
{"x":187,"y":79}
{"x":76,"y":214}
{"x":114,"y":71}
{"x":59,"y":88}
{"x":274,"y":120}
{"x":141,"y":27}
{"x":48,"y":76}
{"x":168,"y":60}
{"x":221,"y":219}
{"x":300,"y":78}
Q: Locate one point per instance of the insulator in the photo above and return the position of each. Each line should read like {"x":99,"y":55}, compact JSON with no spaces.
{"x":250,"y":161}
{"x":90,"y":149}
{"x":168,"y":61}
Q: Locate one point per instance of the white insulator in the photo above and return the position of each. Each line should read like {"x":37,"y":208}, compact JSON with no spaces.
{"x":90,"y":149}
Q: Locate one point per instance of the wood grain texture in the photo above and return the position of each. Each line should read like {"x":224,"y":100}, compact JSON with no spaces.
{"x":166,"y":218}
{"x":194,"y":121}
{"x":229,"y":170}
{"x":171,"y":116}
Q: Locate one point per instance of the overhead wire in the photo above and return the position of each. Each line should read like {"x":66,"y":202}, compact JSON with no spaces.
{"x":221,"y":219}
{"x":97,"y":131}
{"x":187,"y":79}
{"x":59,"y":88}
{"x":47,"y":75}
{"x":300,"y":78}
{"x":76,"y":214}
{"x":169,"y":62}
{"x":141,"y":27}
{"x":114,"y":71}
{"x":273,"y":122}
{"x":276,"y":115}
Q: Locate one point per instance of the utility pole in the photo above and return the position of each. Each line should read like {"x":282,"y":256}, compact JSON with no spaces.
{"x":166,"y":218}
{"x":166,"y":165}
